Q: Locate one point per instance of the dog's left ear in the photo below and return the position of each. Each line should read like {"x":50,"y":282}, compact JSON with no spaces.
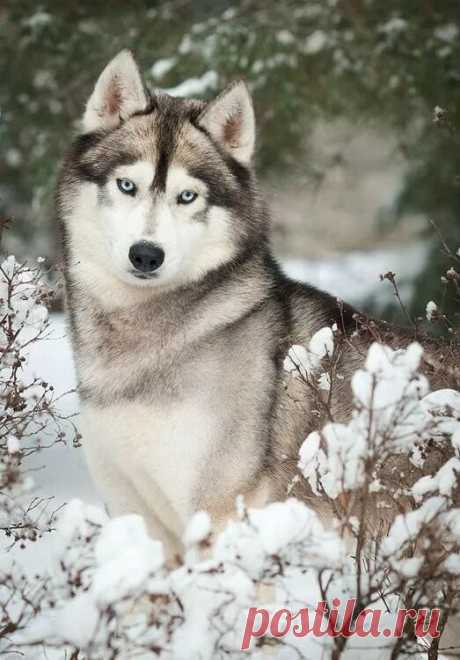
{"x":118,"y":94}
{"x":230,"y":121}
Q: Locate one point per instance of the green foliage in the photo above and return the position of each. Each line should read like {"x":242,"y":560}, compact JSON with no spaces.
{"x":388,"y":64}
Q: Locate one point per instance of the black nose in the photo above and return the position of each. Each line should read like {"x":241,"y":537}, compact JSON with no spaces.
{"x":146,"y":257}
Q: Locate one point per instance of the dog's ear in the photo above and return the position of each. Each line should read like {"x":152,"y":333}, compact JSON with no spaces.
{"x":229,"y":119}
{"x":119,"y":93}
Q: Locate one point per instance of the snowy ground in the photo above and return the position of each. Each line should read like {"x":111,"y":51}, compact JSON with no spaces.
{"x":355,"y":276}
{"x":65,"y":475}
{"x":65,"y":470}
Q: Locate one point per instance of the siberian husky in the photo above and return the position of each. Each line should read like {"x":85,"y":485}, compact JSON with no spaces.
{"x":180,"y":316}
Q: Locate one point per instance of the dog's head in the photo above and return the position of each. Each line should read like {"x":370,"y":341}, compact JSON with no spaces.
{"x":158,"y":191}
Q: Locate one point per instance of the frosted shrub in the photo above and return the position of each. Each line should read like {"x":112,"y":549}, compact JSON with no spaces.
{"x":363,"y":469}
{"x":30,"y":419}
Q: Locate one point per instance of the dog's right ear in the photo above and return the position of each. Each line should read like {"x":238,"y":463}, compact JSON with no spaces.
{"x":118,"y":94}
{"x":229,"y":119}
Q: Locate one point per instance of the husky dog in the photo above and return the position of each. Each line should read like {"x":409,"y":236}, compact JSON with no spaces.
{"x":180,"y":316}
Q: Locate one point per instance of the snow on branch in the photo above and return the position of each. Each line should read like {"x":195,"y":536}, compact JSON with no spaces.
{"x":30,"y":419}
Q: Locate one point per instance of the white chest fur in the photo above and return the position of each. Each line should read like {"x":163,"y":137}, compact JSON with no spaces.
{"x":171,"y":413}
{"x":148,"y":458}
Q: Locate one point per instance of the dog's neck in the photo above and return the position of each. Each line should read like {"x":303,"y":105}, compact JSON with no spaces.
{"x":230,"y":292}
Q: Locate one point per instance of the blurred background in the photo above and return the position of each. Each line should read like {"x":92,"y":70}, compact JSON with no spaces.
{"x":357,"y":104}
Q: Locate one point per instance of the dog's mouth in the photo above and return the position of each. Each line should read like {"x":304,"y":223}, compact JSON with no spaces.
{"x":144,"y":276}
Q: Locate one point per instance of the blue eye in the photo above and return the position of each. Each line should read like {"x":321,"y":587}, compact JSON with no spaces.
{"x":186,"y":197}
{"x":127,"y":187}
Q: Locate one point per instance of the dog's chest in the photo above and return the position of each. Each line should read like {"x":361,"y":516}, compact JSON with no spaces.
{"x":169,"y":416}
{"x":157,"y":452}
{"x":151,"y":419}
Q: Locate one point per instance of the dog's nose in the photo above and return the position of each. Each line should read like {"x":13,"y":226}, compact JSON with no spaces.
{"x":146,"y":257}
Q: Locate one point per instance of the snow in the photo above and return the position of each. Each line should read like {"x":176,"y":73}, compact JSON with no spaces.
{"x":37,"y":20}
{"x":322,"y":343}
{"x":452,"y":564}
{"x":287,"y":529}
{"x":77,"y":519}
{"x":388,"y":376}
{"x":409,"y":567}
{"x":198,"y":529}
{"x":390,"y":390}
{"x":444,"y":407}
{"x":23,"y":307}
{"x":456,"y":440}
{"x":285,"y":37}
{"x":307,"y":456}
{"x":443,"y":400}
{"x":431,"y":310}
{"x":447,"y":33}
{"x":43,"y":79}
{"x":76,"y":622}
{"x":406,"y":526}
{"x":13,"y":444}
{"x":438,"y":114}
{"x":195,"y":86}
{"x":63,"y":470}
{"x":355,"y":276}
{"x":126,"y":556}
{"x":315,"y":42}
{"x":13,"y":157}
{"x":395,"y":25}
{"x":394,"y":413}
{"x":383,"y":360}
{"x":163,"y":66}
{"x":298,"y":360}
{"x":304,"y":362}
{"x":443,"y":482}
{"x":340,"y":466}
{"x":324,"y":382}
{"x":452,"y":520}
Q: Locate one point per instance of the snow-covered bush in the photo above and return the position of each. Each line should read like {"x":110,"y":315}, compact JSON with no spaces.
{"x":389,"y":475}
{"x":404,"y":528}
{"x":30,"y":419}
